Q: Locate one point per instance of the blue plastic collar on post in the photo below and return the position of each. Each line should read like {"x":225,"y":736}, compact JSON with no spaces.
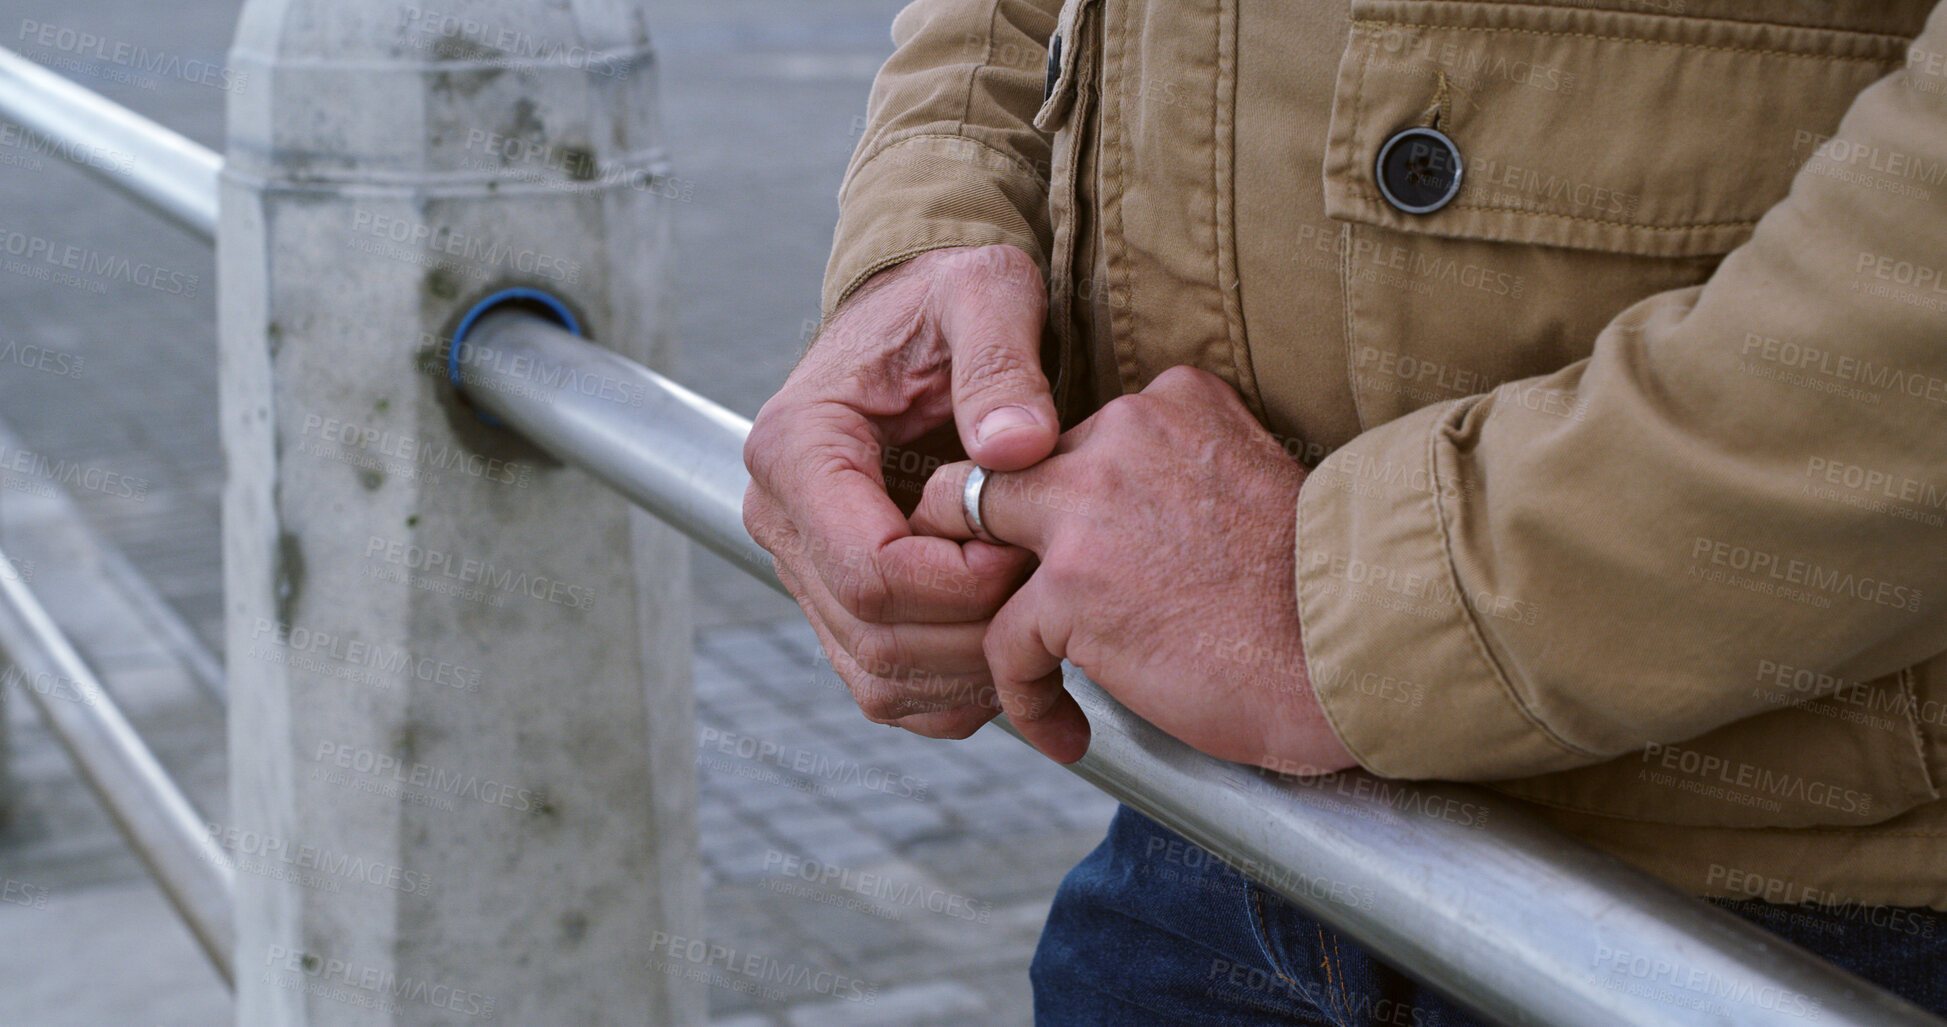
{"x":549,"y":305}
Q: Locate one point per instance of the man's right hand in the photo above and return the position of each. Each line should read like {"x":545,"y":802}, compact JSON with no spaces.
{"x":952,"y":334}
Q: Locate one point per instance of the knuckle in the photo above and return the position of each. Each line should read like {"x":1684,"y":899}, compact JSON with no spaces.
{"x":756,"y":444}
{"x":769,"y":438}
{"x":760,"y":516}
{"x":1071,"y":567}
{"x":987,"y":699}
{"x":878,"y":652}
{"x":999,"y":653}
{"x":880,"y":702}
{"x":1122,"y":410}
{"x":863,"y":591}
{"x":993,"y":367}
{"x":1183,"y":376}
{"x":1137,"y":419}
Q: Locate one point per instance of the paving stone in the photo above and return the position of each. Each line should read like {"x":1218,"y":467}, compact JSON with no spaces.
{"x":901,"y":822}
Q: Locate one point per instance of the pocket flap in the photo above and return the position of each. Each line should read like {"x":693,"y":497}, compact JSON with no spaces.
{"x":1634,"y":133}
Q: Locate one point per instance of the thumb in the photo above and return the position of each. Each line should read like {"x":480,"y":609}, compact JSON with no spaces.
{"x":992,"y":305}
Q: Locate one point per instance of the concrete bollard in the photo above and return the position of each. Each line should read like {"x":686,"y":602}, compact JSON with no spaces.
{"x":461,"y":728}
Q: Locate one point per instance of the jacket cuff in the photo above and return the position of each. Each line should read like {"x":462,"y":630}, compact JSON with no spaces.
{"x":929,"y":191}
{"x":1391,"y":637}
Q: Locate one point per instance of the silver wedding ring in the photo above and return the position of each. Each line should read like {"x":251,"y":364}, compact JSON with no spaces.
{"x":970,"y":504}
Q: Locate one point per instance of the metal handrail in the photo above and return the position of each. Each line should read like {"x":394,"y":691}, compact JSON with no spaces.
{"x":177,"y":179}
{"x":154,"y":817}
{"x":1509,"y":916}
{"x":165,"y":171}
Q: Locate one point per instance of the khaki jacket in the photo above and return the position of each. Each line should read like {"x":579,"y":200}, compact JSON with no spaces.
{"x":1630,"y":487}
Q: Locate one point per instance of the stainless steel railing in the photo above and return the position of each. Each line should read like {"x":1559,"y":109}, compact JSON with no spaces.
{"x":177,"y":179}
{"x":1510,"y":918}
{"x":166,"y":172}
{"x":150,"y":811}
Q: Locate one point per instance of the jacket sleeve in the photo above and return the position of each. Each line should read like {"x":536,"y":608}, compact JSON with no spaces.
{"x":1744,"y":476}
{"x":950,"y":155}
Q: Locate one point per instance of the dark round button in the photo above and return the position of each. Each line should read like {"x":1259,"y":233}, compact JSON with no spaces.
{"x":1418,"y":170}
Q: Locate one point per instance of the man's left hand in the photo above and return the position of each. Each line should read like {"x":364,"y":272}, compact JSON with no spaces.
{"x":1164,"y":528}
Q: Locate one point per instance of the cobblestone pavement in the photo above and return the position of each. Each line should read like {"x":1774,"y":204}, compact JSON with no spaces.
{"x":919,"y":871}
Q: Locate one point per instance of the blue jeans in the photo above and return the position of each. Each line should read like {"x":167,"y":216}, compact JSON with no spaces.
{"x":1151,"y":930}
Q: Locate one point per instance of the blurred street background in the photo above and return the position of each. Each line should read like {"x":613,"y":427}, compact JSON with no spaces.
{"x":761,"y":101}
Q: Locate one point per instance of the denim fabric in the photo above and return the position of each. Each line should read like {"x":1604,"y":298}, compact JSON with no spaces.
{"x":1150,"y":930}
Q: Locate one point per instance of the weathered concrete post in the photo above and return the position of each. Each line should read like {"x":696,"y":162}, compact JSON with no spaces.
{"x":461,"y":734}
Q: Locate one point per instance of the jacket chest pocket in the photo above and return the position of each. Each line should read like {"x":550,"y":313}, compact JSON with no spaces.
{"x":1600,"y":157}
{"x":1550,"y":166}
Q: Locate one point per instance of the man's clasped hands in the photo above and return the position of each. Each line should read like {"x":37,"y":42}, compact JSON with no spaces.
{"x":1151,"y":545}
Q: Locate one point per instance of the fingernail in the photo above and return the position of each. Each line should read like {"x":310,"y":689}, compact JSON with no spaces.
{"x":1003,"y":419}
